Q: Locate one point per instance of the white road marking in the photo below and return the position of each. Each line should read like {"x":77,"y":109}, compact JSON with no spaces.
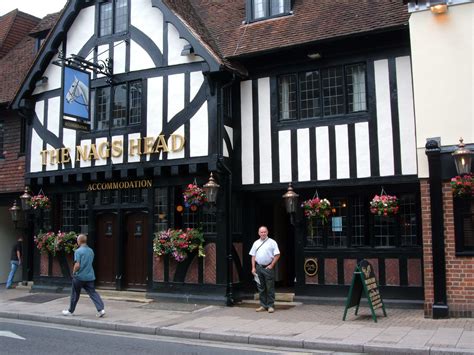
{"x":10,"y":335}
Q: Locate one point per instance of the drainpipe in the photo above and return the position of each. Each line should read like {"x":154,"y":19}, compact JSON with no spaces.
{"x":440,"y":305}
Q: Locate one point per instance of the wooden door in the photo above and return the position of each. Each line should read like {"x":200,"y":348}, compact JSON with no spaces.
{"x":105,"y":249}
{"x":136,"y":241}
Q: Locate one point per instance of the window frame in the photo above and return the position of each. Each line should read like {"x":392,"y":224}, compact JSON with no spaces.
{"x":2,"y":138}
{"x":320,"y":70}
{"x":460,"y":209}
{"x":110,"y":105}
{"x":287,"y":10}
{"x":114,"y":19}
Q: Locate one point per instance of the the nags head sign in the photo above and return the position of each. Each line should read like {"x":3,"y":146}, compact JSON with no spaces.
{"x":114,"y":148}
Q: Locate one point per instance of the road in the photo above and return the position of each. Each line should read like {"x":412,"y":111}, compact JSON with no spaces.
{"x":23,"y":337}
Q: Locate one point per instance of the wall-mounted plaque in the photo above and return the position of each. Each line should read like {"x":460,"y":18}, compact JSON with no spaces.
{"x":311,"y":267}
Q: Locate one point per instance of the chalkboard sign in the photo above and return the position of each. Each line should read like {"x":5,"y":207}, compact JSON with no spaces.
{"x":364,"y":281}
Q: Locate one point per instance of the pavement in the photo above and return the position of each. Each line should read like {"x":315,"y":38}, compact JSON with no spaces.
{"x":306,"y":326}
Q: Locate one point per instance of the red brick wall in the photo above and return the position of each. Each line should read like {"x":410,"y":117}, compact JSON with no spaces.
{"x":44,"y":264}
{"x":12,"y":167}
{"x":330,"y":271}
{"x":392,"y":272}
{"x":210,"y":264}
{"x":349,"y":267}
{"x":459,"y":270}
{"x":192,"y":274}
{"x":158,"y":268}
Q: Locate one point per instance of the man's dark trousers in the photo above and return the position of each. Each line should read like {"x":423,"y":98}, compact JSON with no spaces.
{"x":77,"y":285}
{"x":266,"y":289}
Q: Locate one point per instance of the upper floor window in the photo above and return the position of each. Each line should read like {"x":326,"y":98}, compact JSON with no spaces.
{"x":119,"y":105}
{"x":323,"y":92}
{"x":464,"y":225}
{"x":261,"y":9}
{"x":113,"y":17}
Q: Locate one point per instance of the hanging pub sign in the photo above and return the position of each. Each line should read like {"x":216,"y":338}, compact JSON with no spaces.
{"x":76,"y":98}
{"x":364,"y":281}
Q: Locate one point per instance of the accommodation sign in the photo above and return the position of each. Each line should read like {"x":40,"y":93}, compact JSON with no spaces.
{"x":120,"y":185}
{"x":114,"y":148}
{"x":364,"y":281}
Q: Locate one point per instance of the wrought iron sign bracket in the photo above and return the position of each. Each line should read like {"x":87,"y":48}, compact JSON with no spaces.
{"x":104,"y":67}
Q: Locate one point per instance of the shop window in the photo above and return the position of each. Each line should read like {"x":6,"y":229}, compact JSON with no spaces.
{"x":113,"y":17}
{"x":352,"y":221}
{"x":262,"y":9}
{"x":464,"y":225}
{"x":163,"y":217}
{"x":119,"y":106}
{"x":67,"y":223}
{"x":82,"y":209}
{"x":321,"y":93}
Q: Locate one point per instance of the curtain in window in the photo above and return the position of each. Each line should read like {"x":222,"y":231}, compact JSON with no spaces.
{"x":285,"y":97}
{"x":259,"y":8}
{"x":358,"y":84}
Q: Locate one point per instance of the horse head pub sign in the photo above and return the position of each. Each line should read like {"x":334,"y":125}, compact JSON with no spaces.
{"x":76,"y":98}
{"x":114,"y":148}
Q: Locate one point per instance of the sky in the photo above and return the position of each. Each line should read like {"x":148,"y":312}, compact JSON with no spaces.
{"x":34,"y":7}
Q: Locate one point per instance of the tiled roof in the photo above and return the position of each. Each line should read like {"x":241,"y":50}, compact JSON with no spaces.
{"x":13,"y":27}
{"x":46,"y":23}
{"x":220,"y":23}
{"x":15,"y":65}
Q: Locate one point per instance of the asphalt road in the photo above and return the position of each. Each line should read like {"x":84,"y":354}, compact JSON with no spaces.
{"x":22,"y":337}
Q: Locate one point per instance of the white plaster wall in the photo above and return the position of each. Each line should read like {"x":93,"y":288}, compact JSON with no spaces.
{"x":175,"y":95}
{"x":135,"y":158}
{"x":264,"y":131}
{"x":180,"y":154}
{"x":322,"y":153}
{"x":304,"y":168}
{"x":118,"y":160}
{"x":149,"y":20}
{"x":442,"y":61}
{"x":102,"y":55}
{"x":199,"y":133}
{"x":362,"y":149}
{"x":8,"y":237}
{"x":342,"y":152}
{"x":98,"y":142}
{"x":36,"y":148}
{"x":120,"y":55}
{"x":54,"y":75}
{"x":284,"y":142}
{"x":154,"y":108}
{"x":196,"y":79}
{"x":175,"y":46}
{"x":69,"y":141}
{"x":86,"y":163}
{"x":139,"y":58}
{"x":81,"y":30}
{"x":247,"y":132}
{"x":54,"y":108}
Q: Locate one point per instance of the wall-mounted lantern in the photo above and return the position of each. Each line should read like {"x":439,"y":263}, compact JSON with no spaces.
{"x":211,"y":188}
{"x":438,"y":6}
{"x":462,"y":158}
{"x":291,"y":199}
{"x":25,"y":199}
{"x":15,"y":213}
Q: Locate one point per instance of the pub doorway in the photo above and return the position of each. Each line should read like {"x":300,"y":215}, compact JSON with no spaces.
{"x":105,"y":249}
{"x":274,"y":216}
{"x":135,"y":251}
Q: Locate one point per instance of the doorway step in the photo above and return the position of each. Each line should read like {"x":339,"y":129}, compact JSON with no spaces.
{"x":130,"y":296}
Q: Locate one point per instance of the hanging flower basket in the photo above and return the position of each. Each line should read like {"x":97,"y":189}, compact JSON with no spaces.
{"x":40,"y":201}
{"x":53,"y":243}
{"x":317,"y":207}
{"x":384,"y":205}
{"x":462,"y":186}
{"x":178,"y":243}
{"x":194,"y":196}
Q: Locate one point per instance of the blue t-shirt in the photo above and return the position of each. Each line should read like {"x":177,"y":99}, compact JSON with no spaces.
{"x":84,"y":256}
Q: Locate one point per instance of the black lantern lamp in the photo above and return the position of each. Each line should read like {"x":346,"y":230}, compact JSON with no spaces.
{"x":211,"y":188}
{"x":15,"y":213}
{"x":462,"y":158}
{"x":25,"y":199}
{"x":291,"y":199}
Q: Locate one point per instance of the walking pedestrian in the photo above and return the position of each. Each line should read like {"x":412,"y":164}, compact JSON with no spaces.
{"x":83,"y":278}
{"x":15,"y":261}
{"x":265,"y":254}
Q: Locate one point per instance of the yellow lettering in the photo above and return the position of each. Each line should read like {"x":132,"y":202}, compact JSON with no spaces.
{"x":161,"y":146}
{"x":54,"y":156}
{"x":148,"y":145}
{"x":174,"y":139}
{"x":117,"y":148}
{"x":81,"y":153}
{"x":93,"y":154}
{"x":104,"y":150}
{"x":44,"y":157}
{"x":135,"y":146}
{"x":65,"y":155}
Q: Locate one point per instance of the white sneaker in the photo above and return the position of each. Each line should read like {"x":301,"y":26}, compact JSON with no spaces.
{"x":101,"y":313}
{"x":66,"y":312}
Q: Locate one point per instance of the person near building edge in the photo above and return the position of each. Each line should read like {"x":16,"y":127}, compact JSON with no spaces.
{"x":15,"y":261}
{"x":265,"y":255}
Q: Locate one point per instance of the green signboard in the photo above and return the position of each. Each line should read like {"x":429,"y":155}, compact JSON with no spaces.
{"x":364,"y":281}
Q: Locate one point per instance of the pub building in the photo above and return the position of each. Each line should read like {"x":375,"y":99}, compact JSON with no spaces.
{"x":128,"y":102}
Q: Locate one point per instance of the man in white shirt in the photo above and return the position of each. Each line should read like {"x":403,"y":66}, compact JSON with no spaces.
{"x":265,"y":254}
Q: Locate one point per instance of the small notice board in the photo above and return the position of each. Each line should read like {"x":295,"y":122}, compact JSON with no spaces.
{"x":364,"y":281}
